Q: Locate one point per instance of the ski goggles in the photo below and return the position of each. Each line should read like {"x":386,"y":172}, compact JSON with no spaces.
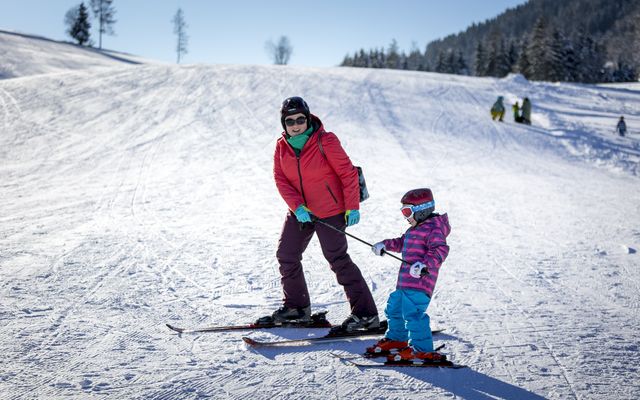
{"x":297,"y":121}
{"x":408,"y":210}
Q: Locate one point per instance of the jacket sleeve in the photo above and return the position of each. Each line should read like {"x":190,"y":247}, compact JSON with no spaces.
{"x":341,"y":164}
{"x":437,"y":250}
{"x":289,"y":193}
{"x":394,"y":245}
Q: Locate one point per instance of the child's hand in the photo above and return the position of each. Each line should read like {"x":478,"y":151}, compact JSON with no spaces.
{"x":378,"y":248}
{"x":418,"y":270}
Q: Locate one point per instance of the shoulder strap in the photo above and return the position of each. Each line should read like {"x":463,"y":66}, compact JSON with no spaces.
{"x":320,"y":145}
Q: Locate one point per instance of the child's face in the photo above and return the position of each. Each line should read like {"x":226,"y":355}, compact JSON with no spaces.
{"x":410,"y":220}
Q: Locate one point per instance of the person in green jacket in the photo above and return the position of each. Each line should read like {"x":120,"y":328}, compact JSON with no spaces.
{"x":526,"y":111}
{"x":516,"y":113}
{"x":497,"y":110}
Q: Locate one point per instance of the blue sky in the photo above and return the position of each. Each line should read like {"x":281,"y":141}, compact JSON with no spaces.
{"x":235,"y":31}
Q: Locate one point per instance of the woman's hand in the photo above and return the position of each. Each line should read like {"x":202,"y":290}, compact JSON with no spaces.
{"x":302,"y":214}
{"x":352,"y":217}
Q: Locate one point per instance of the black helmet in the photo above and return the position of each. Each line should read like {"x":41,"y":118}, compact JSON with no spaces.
{"x":293,"y":105}
{"x":423,"y":200}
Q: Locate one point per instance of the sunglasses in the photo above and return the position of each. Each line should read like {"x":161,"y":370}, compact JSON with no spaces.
{"x":408,"y":210}
{"x":297,"y":121}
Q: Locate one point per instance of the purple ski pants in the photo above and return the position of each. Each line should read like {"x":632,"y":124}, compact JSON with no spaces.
{"x":294,"y":241}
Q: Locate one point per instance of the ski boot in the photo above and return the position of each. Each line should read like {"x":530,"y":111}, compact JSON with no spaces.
{"x":409,"y":355}
{"x":287,"y":315}
{"x":354,"y":324}
{"x":384,"y":347}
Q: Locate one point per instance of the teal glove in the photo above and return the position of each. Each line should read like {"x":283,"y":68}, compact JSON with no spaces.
{"x":302,"y":214}
{"x":352,"y":217}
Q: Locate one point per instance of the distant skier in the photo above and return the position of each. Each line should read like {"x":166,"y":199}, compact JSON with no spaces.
{"x":323,"y":186}
{"x":516,"y":113}
{"x":526,"y":111}
{"x":424,"y":246}
{"x":497,"y":110}
{"x":621,"y":128}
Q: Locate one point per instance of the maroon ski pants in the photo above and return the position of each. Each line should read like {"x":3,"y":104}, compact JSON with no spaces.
{"x":294,"y":241}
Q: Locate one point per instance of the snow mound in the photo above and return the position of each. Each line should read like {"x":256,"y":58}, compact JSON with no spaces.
{"x":516,"y":78}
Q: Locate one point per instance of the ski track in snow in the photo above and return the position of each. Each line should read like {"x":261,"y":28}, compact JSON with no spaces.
{"x":137,"y":196}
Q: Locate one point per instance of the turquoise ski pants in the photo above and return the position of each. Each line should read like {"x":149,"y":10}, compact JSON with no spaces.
{"x":408,"y":320}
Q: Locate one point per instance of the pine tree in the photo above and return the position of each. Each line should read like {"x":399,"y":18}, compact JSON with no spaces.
{"x":440,"y":63}
{"x":364,"y":60}
{"x":451,"y":62}
{"x":523,"y":65}
{"x":460,"y":66}
{"x":414,"y":60}
{"x":512,"y":56}
{"x":538,"y":52}
{"x":179,"y":28}
{"x":589,"y":59}
{"x":105,"y":13}
{"x":393,"y":57}
{"x":77,"y":19}
{"x":557,"y":69}
{"x":481,"y":60}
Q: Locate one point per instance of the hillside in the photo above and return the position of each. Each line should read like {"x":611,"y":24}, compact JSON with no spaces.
{"x":610,"y":23}
{"x":137,"y":196}
{"x":26,"y":55}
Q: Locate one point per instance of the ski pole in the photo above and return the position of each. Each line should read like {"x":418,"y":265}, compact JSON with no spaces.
{"x":358,"y":239}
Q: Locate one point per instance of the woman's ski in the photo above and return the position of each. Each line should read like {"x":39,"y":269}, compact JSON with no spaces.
{"x":318,"y":320}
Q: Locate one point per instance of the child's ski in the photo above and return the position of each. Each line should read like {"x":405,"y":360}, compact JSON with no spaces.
{"x":321,"y":339}
{"x":359,"y":361}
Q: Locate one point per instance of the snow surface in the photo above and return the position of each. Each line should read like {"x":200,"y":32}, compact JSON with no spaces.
{"x":22,"y":55}
{"x":136,"y":196}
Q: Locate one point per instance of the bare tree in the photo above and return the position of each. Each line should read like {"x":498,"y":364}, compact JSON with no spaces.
{"x":280,"y":52}
{"x":179,"y":28}
{"x":104,"y":11}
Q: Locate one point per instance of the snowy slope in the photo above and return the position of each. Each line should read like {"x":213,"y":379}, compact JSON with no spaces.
{"x":24,"y":55}
{"x":132,"y":197}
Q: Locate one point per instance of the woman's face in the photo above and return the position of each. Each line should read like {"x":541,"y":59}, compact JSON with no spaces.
{"x":296,"y":124}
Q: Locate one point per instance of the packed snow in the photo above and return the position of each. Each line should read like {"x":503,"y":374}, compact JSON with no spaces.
{"x":23,"y":55}
{"x":139,"y":195}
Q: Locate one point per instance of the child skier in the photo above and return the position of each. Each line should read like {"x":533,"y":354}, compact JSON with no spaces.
{"x":621,"y":128}
{"x":425,"y":248}
{"x":497,"y":109}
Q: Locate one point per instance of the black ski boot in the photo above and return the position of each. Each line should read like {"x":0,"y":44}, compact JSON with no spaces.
{"x":287,"y":315}
{"x":355,"y":323}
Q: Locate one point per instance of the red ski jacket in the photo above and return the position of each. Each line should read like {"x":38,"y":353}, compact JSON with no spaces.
{"x":326,"y":185}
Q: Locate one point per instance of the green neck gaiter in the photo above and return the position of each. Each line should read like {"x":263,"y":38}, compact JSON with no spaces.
{"x":298,"y":141}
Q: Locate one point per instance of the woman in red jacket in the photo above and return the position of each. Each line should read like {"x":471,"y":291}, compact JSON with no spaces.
{"x":316,"y":179}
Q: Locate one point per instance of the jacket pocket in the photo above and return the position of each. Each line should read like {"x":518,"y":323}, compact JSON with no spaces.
{"x":331,"y":193}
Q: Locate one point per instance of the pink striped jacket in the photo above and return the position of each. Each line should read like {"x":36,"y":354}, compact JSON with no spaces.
{"x":426,"y":243}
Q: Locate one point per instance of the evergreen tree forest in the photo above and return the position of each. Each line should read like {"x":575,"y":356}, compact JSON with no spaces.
{"x":569,"y":41}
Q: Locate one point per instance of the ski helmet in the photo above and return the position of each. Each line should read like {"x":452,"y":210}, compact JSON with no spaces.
{"x":291,"y":106}
{"x":422,"y":200}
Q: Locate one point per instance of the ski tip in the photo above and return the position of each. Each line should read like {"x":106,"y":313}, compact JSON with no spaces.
{"x":175,"y":329}
{"x":250,"y":341}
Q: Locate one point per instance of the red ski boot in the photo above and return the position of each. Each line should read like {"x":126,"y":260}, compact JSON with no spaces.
{"x":410,"y":356}
{"x":384,"y":347}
